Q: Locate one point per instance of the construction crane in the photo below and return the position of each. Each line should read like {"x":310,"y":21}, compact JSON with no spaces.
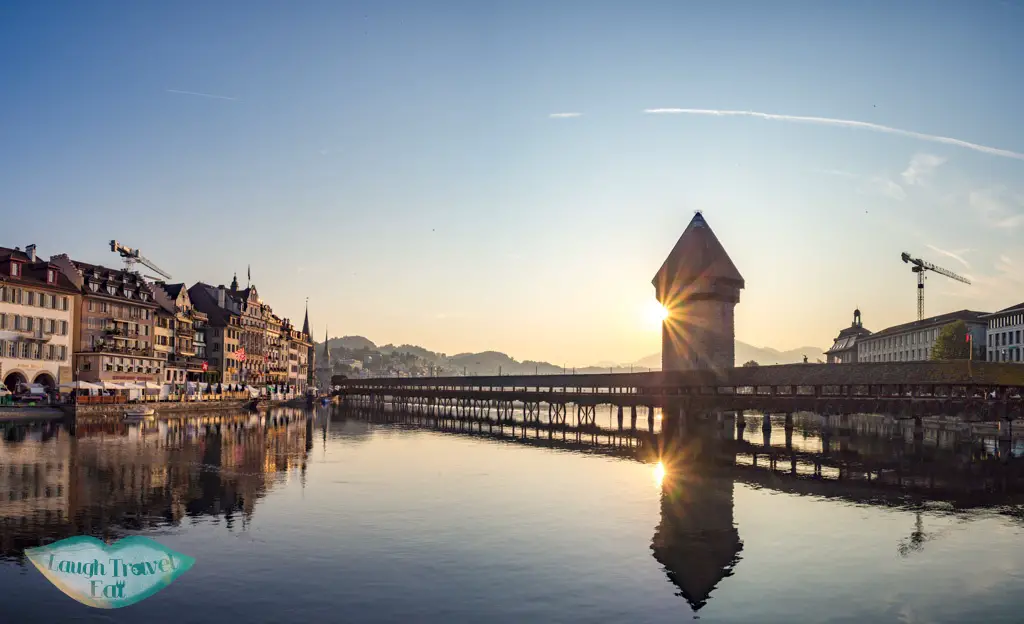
{"x":132,"y":257}
{"x":920,"y":266}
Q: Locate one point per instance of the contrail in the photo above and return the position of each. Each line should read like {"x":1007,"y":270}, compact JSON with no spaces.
{"x":564,"y":115}
{"x":206,"y":95}
{"x":846,"y":123}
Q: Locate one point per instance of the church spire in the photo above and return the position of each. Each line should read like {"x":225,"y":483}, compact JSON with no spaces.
{"x":234,"y":283}
{"x":305,"y":323}
{"x":327,"y":349}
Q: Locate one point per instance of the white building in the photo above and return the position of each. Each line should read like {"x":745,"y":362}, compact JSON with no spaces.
{"x":913,"y":342}
{"x":37,"y":315}
{"x":1004,"y":340}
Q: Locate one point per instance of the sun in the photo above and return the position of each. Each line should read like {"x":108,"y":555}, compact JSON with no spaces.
{"x":656,"y":313}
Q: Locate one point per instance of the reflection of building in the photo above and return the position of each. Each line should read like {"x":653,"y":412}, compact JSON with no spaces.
{"x":109,"y":477}
{"x":697,"y":540}
{"x":913,"y":342}
{"x":115,"y":324}
{"x":37,"y":316}
{"x":1004,"y":340}
{"x":844,"y":349}
{"x":699,"y":286}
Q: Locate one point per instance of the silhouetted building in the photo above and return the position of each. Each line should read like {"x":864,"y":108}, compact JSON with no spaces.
{"x":844,"y":349}
{"x":699,"y":286}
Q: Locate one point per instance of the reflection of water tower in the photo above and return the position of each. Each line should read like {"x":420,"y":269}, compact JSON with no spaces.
{"x":696,"y":541}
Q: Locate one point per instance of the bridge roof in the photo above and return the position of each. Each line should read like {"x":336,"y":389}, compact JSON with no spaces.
{"x":864,"y":373}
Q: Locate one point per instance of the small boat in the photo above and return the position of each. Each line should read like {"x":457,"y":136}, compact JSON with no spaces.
{"x":255,"y":404}
{"x":138,"y":413}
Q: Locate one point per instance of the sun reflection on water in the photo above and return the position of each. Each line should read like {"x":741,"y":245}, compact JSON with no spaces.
{"x":659,"y":474}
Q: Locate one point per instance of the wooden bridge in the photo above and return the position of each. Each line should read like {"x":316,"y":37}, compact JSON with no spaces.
{"x":973,"y":390}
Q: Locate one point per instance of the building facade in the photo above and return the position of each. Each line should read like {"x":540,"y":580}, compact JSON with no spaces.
{"x":699,"y":287}
{"x":37,"y":321}
{"x":844,"y":349}
{"x":1004,"y":341}
{"x":913,"y":342}
{"x":298,"y":356}
{"x":115,"y":332}
{"x":222,"y":334}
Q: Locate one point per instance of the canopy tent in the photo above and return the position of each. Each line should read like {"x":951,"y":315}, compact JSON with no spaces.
{"x":109,"y":385}
{"x":79,"y":385}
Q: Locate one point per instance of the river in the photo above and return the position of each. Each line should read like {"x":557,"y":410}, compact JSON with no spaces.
{"x":331,"y":516}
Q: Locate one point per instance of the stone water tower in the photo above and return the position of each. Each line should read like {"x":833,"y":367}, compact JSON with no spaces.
{"x":699,"y":286}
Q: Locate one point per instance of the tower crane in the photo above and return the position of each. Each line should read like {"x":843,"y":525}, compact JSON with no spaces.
{"x":132,"y":257}
{"x":919,"y":267}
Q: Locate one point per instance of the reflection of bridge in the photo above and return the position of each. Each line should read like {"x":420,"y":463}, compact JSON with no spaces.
{"x":696,"y":540}
{"x":980,"y":390}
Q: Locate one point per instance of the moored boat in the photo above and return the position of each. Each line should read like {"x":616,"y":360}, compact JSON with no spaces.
{"x":138,"y":413}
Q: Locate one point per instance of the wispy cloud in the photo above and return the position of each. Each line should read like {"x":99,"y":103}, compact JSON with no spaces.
{"x":205,"y":95}
{"x":997,"y":209}
{"x":846,"y":123}
{"x":564,"y":115}
{"x":956,"y":254}
{"x":871,"y":185}
{"x":921,"y":167}
{"x":883,"y":186}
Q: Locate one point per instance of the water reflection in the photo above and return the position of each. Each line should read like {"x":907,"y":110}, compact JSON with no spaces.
{"x":105,"y":478}
{"x":867,"y":460}
{"x":697,"y":541}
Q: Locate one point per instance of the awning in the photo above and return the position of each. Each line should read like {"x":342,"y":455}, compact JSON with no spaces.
{"x":80,"y":385}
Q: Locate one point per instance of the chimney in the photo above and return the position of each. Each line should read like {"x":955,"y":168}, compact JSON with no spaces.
{"x":220,"y":296}
{"x":30,"y":250}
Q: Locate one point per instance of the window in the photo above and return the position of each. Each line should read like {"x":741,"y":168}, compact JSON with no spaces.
{"x":15,"y":269}
{"x":51,"y":276}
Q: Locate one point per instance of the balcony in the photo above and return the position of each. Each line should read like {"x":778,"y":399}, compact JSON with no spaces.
{"x":33,"y":335}
{"x":118,"y":349}
{"x":192,"y":364}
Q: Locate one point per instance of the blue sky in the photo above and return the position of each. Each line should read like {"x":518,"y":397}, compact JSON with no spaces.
{"x":397,"y":162}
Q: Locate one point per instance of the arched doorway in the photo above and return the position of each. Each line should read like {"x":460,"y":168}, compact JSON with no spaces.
{"x":46,"y":381}
{"x":13,"y":379}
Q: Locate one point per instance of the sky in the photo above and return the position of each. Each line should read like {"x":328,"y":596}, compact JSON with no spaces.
{"x":473,"y":176}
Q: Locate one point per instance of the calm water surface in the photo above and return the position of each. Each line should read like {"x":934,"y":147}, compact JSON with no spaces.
{"x":325,"y":517}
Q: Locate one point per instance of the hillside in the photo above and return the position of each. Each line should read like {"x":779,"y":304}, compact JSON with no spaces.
{"x":417,"y":359}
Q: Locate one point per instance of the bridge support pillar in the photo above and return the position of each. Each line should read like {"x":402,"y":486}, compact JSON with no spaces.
{"x":766,"y":422}
{"x":620,"y":417}
{"x":632,"y":417}
{"x":650,"y":419}
{"x":741,"y":425}
{"x":789,"y":421}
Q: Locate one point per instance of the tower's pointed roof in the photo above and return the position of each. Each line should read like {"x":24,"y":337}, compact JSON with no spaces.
{"x":305,"y":322}
{"x":697,"y":254}
{"x":327,"y":346}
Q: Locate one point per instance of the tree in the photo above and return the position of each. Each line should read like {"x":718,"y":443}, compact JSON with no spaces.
{"x":751,"y":363}
{"x":951,"y":343}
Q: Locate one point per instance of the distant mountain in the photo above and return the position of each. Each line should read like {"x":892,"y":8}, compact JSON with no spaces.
{"x":493,"y":362}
